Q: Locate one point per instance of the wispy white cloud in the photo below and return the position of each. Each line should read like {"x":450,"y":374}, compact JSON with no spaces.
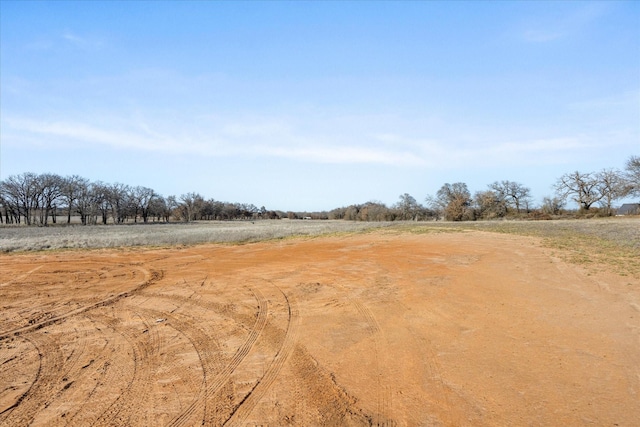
{"x":82,"y":41}
{"x":629,"y":100}
{"x":66,"y":38}
{"x":278,"y":140}
{"x":344,"y":155}
{"x":61,"y":131}
{"x":506,"y":150}
{"x":564,"y":26}
{"x":326,"y":140}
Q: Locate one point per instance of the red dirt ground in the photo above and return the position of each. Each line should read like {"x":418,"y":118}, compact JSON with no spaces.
{"x":385,"y":328}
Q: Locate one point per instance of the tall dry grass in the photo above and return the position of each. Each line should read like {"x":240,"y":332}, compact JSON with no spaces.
{"x":20,"y":238}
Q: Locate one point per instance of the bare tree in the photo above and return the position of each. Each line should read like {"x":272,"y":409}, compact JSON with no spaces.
{"x":337,"y":213}
{"x":489,"y":204}
{"x":370,"y":211}
{"x":378,"y":211}
{"x":10,"y":202}
{"x":408,"y":207}
{"x":158,"y":209}
{"x":246,"y":210}
{"x":190,"y":206}
{"x":612,"y":185}
{"x":227,"y":211}
{"x":632,"y":169}
{"x":218,"y":209}
{"x":141,"y":198}
{"x":102,"y":198}
{"x":583,"y":188}
{"x":4,"y":207}
{"x":71,"y":187}
{"x":9,"y":197}
{"x":552,"y":205}
{"x":514,"y":194}
{"x":23,"y":191}
{"x":351,"y":212}
{"x":87,"y":203}
{"x":172,"y":208}
{"x":453,"y":200}
{"x":51,"y":187}
{"x":118,"y":196}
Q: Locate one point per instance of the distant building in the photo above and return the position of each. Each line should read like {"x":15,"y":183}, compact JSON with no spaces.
{"x":629,"y":209}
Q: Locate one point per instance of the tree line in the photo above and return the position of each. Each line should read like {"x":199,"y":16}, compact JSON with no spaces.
{"x":42,"y":199}
{"x":501,"y":199}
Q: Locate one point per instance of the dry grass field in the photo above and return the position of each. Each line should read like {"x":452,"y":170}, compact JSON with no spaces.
{"x":17,"y":238}
{"x":321,"y":324}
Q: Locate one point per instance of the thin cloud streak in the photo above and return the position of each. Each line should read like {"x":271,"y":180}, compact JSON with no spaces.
{"x":566,"y":26}
{"x":626,"y":101}
{"x":82,"y":42}
{"x":281,"y":140}
{"x":240,"y":144}
{"x":66,"y":38}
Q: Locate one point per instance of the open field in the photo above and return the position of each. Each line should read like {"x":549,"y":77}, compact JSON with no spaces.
{"x":21,"y":238}
{"x":410,"y":325}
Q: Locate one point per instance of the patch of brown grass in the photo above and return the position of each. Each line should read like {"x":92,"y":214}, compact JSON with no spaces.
{"x":594,"y":243}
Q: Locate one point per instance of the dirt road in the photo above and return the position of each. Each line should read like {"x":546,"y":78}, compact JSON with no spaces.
{"x":385,"y":328}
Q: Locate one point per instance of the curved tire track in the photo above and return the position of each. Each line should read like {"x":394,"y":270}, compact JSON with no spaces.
{"x":43,"y":388}
{"x":218,"y":381}
{"x":383,"y":392}
{"x":107,"y":374}
{"x":146,"y":358}
{"x":210,"y":359}
{"x":247,"y":405}
{"x":150,"y":278}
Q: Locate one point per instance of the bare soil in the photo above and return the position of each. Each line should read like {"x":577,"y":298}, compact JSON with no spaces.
{"x":387,"y":328}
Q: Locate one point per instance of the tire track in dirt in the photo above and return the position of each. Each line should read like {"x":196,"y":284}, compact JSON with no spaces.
{"x":146,"y":345}
{"x":102,"y":371}
{"x":383,"y":391}
{"x":123,"y":369}
{"x":17,"y":374}
{"x":69,"y":373}
{"x":212,"y":306}
{"x":196,"y":299}
{"x":385,"y":394}
{"x":209,"y":356}
{"x":21,"y":277}
{"x":242,"y":411}
{"x":445,"y":392}
{"x":221,"y":378}
{"x":79,"y":358}
{"x":430,"y":359}
{"x":318,"y":398}
{"x":385,"y":401}
{"x":150,"y":278}
{"x":209,"y":362}
{"x":55,"y":308}
{"x":48,"y":378}
{"x":123,"y":364}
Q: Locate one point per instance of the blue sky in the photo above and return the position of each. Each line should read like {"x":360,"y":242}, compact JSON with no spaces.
{"x":316,"y":105}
